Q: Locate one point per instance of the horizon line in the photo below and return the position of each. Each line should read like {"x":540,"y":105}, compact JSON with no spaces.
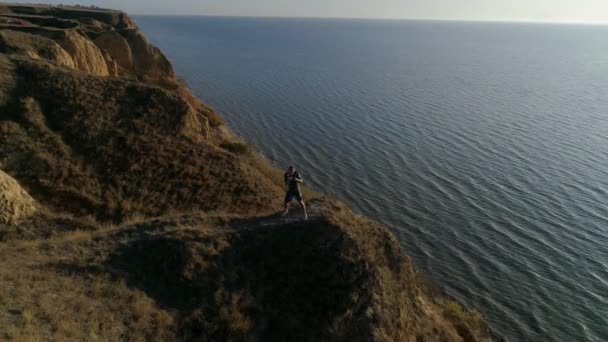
{"x":489,"y":21}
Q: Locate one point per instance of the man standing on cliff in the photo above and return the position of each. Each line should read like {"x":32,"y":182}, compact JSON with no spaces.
{"x":292,"y":181}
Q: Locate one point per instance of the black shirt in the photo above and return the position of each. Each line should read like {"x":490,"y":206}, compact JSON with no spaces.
{"x":292,"y":181}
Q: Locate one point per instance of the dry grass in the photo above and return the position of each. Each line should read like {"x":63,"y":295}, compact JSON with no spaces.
{"x":46,"y":225}
{"x":212,"y":116}
{"x":45,"y":295}
{"x":216,"y":278}
{"x":132,"y":151}
{"x":115,"y":148}
{"x":63,"y":307}
{"x":469,"y":323}
{"x":236,"y":147}
{"x":471,"y":318}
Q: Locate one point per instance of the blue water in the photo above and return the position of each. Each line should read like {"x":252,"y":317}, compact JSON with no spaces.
{"x":483,"y":146}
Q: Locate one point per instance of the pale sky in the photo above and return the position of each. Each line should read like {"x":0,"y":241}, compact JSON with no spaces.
{"x":585,"y":11}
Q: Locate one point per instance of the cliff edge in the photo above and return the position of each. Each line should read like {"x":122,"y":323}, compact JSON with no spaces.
{"x":129,"y":211}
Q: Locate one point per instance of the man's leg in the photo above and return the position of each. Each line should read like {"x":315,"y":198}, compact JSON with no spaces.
{"x":304,"y":207}
{"x":285,"y":207}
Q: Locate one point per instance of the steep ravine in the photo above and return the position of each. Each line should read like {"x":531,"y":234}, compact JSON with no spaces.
{"x":131,"y":212}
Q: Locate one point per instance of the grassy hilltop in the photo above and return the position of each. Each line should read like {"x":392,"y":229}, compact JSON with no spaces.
{"x":130,"y":212}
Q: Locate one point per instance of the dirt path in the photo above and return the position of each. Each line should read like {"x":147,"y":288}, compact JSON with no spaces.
{"x":314,"y":208}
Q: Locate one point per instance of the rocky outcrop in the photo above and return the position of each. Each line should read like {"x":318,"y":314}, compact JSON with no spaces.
{"x":86,"y":56}
{"x":15,"y":203}
{"x":115,"y":19}
{"x":42,"y":21}
{"x":111,"y":18}
{"x":118,"y":50}
{"x":149,"y":62}
{"x":34,"y":47}
{"x":104,"y":43}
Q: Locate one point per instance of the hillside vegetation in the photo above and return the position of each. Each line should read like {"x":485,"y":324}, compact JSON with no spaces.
{"x":130,"y":212}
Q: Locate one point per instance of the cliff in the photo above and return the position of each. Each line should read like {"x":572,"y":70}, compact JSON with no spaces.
{"x":130,"y":212}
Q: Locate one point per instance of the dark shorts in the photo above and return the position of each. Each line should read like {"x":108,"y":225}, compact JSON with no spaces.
{"x":291,"y":194}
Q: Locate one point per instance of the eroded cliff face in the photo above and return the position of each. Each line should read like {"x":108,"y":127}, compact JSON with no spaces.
{"x":15,"y":203}
{"x":95,"y":126}
{"x":118,"y":50}
{"x":35,"y":47}
{"x":98,"y":42}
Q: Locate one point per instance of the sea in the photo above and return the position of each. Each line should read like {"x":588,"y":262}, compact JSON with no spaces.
{"x":483,"y":146}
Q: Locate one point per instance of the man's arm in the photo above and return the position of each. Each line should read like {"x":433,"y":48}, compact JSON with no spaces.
{"x":298,"y":178}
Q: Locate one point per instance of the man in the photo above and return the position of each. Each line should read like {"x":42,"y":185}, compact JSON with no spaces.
{"x":292,"y":181}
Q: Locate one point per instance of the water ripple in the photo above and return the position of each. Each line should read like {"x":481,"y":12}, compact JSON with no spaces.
{"x":483,"y":149}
